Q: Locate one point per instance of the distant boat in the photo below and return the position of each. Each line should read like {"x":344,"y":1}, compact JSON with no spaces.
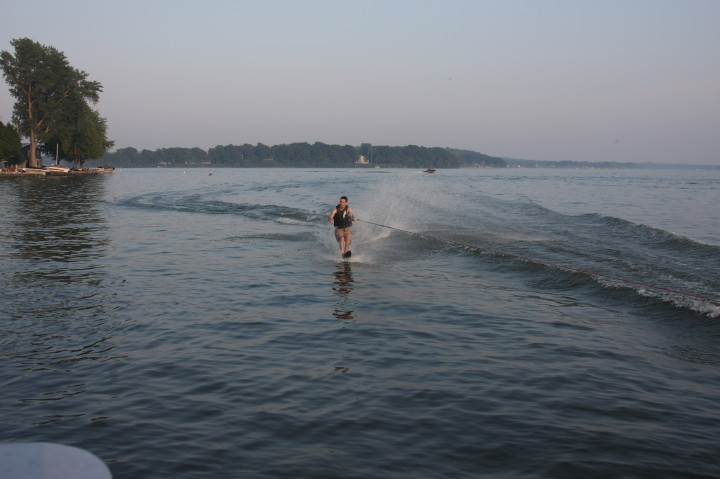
{"x":429,"y":170}
{"x":32,"y":171}
{"x":55,"y":170}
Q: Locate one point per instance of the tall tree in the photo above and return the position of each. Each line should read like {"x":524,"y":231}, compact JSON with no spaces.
{"x":47,"y":90}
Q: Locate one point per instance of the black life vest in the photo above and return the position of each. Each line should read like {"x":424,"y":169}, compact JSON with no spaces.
{"x":342,"y":218}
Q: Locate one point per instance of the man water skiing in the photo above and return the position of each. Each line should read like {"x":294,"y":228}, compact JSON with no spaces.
{"x":342,"y":218}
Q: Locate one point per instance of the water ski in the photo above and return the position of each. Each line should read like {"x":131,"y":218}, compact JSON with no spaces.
{"x":347,"y":255}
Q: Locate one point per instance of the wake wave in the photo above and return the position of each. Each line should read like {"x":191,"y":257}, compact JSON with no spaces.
{"x":411,"y":220}
{"x":195,"y":203}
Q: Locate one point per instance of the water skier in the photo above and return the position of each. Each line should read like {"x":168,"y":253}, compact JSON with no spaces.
{"x":342,"y":218}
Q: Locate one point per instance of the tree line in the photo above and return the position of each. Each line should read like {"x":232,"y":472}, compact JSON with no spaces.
{"x":302,"y":155}
{"x":53,"y":107}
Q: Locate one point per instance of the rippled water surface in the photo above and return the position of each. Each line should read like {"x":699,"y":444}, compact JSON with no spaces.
{"x":490,"y":323}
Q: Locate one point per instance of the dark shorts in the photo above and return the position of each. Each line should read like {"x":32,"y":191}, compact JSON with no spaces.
{"x":343,"y":233}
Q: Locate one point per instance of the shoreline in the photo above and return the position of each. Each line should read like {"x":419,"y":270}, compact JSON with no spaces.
{"x":44,"y":173}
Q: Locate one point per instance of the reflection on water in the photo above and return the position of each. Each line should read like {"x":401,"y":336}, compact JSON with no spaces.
{"x":53,"y":236}
{"x":344,"y":282}
{"x":54,"y":319}
{"x":57,"y":219}
{"x":344,"y":278}
{"x":344,"y":315}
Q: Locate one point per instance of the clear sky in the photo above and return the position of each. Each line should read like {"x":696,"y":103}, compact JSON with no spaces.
{"x":581,"y":80}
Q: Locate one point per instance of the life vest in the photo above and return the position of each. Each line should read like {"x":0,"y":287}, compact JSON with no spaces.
{"x":342,"y":218}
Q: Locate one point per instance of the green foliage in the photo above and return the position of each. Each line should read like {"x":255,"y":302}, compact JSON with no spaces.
{"x":124,"y":156}
{"x":9,"y":145}
{"x":175,"y":156}
{"x":293,"y":155}
{"x":52,"y":99}
{"x":478,"y":160}
{"x":413,"y":156}
{"x":86,"y":140}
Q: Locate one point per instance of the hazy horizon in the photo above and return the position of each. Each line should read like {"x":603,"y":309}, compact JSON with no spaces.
{"x":556,"y":80}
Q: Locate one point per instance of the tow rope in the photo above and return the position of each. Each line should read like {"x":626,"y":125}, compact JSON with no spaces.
{"x":545,"y":263}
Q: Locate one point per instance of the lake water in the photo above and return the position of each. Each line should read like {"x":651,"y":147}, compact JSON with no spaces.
{"x":490,"y":323}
